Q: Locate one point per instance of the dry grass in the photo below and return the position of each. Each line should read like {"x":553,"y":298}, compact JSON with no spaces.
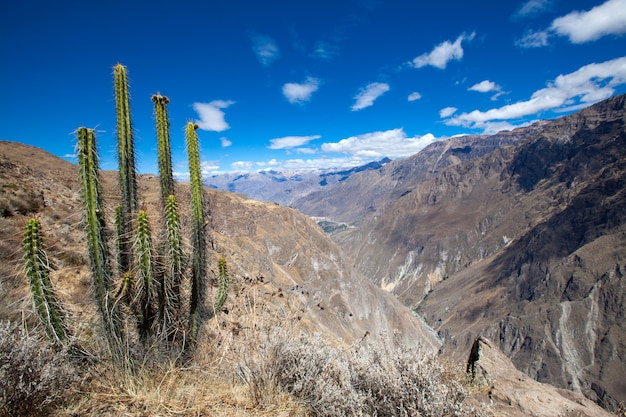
{"x":173,"y":391}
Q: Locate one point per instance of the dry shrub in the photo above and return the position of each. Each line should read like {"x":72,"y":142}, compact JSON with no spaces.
{"x":380,"y":378}
{"x":33,"y":378}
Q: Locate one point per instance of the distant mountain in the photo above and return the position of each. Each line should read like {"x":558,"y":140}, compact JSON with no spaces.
{"x":284,"y":187}
{"x":519,"y":237}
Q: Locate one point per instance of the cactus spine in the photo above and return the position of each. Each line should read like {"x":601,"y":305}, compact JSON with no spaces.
{"x":91,"y":194}
{"x":121,"y":247}
{"x":37,"y":270}
{"x":198,"y":233}
{"x":126,"y":157}
{"x":166,"y":177}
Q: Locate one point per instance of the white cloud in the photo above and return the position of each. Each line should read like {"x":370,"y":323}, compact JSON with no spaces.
{"x":265,"y":49}
{"x":225,"y":142}
{"x":391,"y":143}
{"x":242,"y":165}
{"x":299,"y":93}
{"x":533,"y":39}
{"x":447,"y":111}
{"x":485,"y":87}
{"x":608,"y":18}
{"x":368,"y":94}
{"x":587,"y":85}
{"x":288,"y":142}
{"x":211,"y":115}
{"x":533,"y":7}
{"x":414,"y":96}
{"x":443,"y":53}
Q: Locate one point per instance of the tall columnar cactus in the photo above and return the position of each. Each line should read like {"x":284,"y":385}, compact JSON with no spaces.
{"x":144,"y":273}
{"x":46,"y":304}
{"x":163,"y":146}
{"x":91,"y":194}
{"x":126,"y":154}
{"x":198,"y":233}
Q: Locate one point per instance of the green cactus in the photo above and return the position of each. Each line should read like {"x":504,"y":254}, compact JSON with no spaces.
{"x":198,"y":233}
{"x":224,"y":281}
{"x":37,"y":269}
{"x":169,"y":291}
{"x":166,"y":176}
{"x":91,"y":194}
{"x":126,"y":156}
{"x":144,"y":273}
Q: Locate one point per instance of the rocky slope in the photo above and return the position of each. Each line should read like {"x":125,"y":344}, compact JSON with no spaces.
{"x":524,"y":243}
{"x":278,"y":254}
{"x":514,"y":394}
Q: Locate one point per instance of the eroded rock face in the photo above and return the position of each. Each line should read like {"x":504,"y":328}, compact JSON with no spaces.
{"x":509,"y":392}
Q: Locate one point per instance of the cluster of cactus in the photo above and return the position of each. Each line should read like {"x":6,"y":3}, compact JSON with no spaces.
{"x":149,"y":278}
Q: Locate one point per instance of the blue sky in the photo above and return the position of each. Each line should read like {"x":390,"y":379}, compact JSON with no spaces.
{"x":302,"y":84}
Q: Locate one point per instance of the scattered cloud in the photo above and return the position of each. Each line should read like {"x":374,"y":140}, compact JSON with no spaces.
{"x":265,"y":49}
{"x":207,"y":168}
{"x":325,"y":50}
{"x":211,"y":115}
{"x":289,"y":142}
{"x":306,"y":151}
{"x":300,"y":93}
{"x":242,"y":165}
{"x":447,"y":112}
{"x":532,"y":39}
{"x":533,"y":7}
{"x":391,"y":143}
{"x":369,"y":94}
{"x":225,"y":142}
{"x":487,"y":86}
{"x":581,"y":88}
{"x":414,"y":96}
{"x":443,"y":53}
{"x":608,"y":18}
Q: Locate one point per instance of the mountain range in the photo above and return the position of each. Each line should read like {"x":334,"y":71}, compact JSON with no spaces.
{"x":284,"y":187}
{"x":519,"y":237}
